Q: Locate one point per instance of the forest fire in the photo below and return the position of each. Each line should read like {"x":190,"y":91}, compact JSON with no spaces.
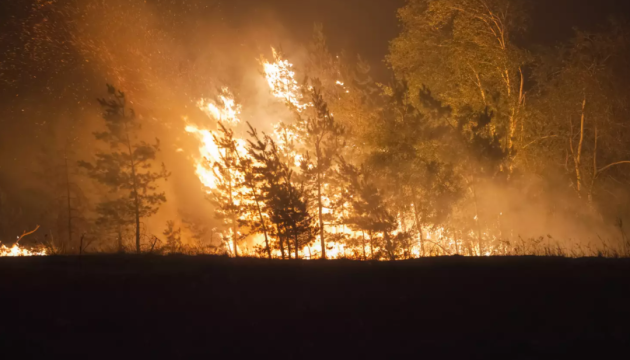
{"x":314,"y":179}
{"x":227,"y":111}
{"x":227,"y":114}
{"x":220,"y":168}
{"x":17,"y":250}
{"x":311,"y":153}
{"x":282,"y":81}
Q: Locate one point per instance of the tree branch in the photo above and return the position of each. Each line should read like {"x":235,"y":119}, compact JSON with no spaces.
{"x":26,"y":234}
{"x":611,"y":165}
{"x":542,"y":138}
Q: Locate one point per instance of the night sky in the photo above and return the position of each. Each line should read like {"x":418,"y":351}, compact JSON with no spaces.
{"x":367,"y":26}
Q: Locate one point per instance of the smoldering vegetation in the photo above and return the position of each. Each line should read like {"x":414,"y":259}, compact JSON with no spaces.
{"x":477,"y":142}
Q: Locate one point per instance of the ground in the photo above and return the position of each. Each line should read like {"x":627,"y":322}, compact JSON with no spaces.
{"x":185,"y":307}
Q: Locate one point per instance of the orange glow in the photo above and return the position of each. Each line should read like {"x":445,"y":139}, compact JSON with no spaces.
{"x":209,"y":152}
{"x":282,"y":83}
{"x":17,"y":250}
{"x":281,"y":80}
{"x":226,"y":111}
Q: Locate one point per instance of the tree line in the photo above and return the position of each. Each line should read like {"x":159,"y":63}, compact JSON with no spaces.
{"x":476,"y":142}
{"x":475,"y":135}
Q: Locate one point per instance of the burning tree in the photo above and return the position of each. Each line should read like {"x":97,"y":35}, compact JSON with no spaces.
{"x":127,"y":168}
{"x":480,"y":157}
{"x":228,"y":191}
{"x":253,"y":180}
{"x":370,"y":212}
{"x":285,"y":200}
{"x":324,"y":137}
{"x":420,"y":180}
{"x":346,"y":84}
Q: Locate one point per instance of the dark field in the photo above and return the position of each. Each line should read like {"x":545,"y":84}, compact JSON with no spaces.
{"x":183,"y":307}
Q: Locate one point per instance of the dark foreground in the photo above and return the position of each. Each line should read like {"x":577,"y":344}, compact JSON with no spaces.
{"x":180,"y":307}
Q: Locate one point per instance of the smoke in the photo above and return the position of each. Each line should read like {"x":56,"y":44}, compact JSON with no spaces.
{"x":164,"y":55}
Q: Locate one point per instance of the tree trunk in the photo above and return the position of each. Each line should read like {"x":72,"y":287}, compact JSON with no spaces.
{"x":363,"y":235}
{"x":477,"y":217}
{"x":390,"y":246}
{"x":457,"y":242}
{"x":590,"y":190}
{"x":69,"y":204}
{"x":320,"y":205}
{"x":297,"y":244}
{"x":234,"y":245}
{"x":288,"y":245}
{"x":515,"y":111}
{"x":135,"y":188}
{"x":120,"y":244}
{"x":418,"y":223}
{"x":281,"y":239}
{"x":137,"y":214}
{"x":81,"y":245}
{"x":262,"y":221}
{"x":233,"y":217}
{"x":479,"y":85}
{"x":371,"y":245}
{"x":321,"y":214}
{"x":579,"y":154}
{"x":577,"y":157}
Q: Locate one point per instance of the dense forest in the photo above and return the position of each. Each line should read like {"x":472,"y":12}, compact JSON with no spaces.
{"x":477,"y":143}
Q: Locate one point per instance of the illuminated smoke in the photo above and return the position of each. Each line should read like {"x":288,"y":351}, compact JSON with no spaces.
{"x":281,"y":80}
{"x":227,"y":111}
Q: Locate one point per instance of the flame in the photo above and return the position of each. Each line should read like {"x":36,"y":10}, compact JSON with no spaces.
{"x":340,"y":83}
{"x":227,"y":111}
{"x":432,"y":241}
{"x":17,"y":250}
{"x":281,"y":80}
{"x":209,"y":151}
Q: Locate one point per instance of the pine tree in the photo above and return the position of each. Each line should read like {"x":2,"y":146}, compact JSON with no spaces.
{"x":285,"y":199}
{"x":346,"y":84}
{"x":253,"y":180}
{"x":324,"y":137}
{"x":472,"y":148}
{"x":370,"y":213}
{"x":173,"y":237}
{"x":126,"y":169}
{"x":229,"y":192}
{"x":115,"y":216}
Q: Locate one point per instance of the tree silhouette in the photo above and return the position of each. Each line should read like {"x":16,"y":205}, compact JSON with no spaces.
{"x":370,"y":213}
{"x":324,"y":137}
{"x":67,"y":207}
{"x":173,"y":237}
{"x":126,"y":169}
{"x":285,"y":200}
{"x":228,"y":195}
